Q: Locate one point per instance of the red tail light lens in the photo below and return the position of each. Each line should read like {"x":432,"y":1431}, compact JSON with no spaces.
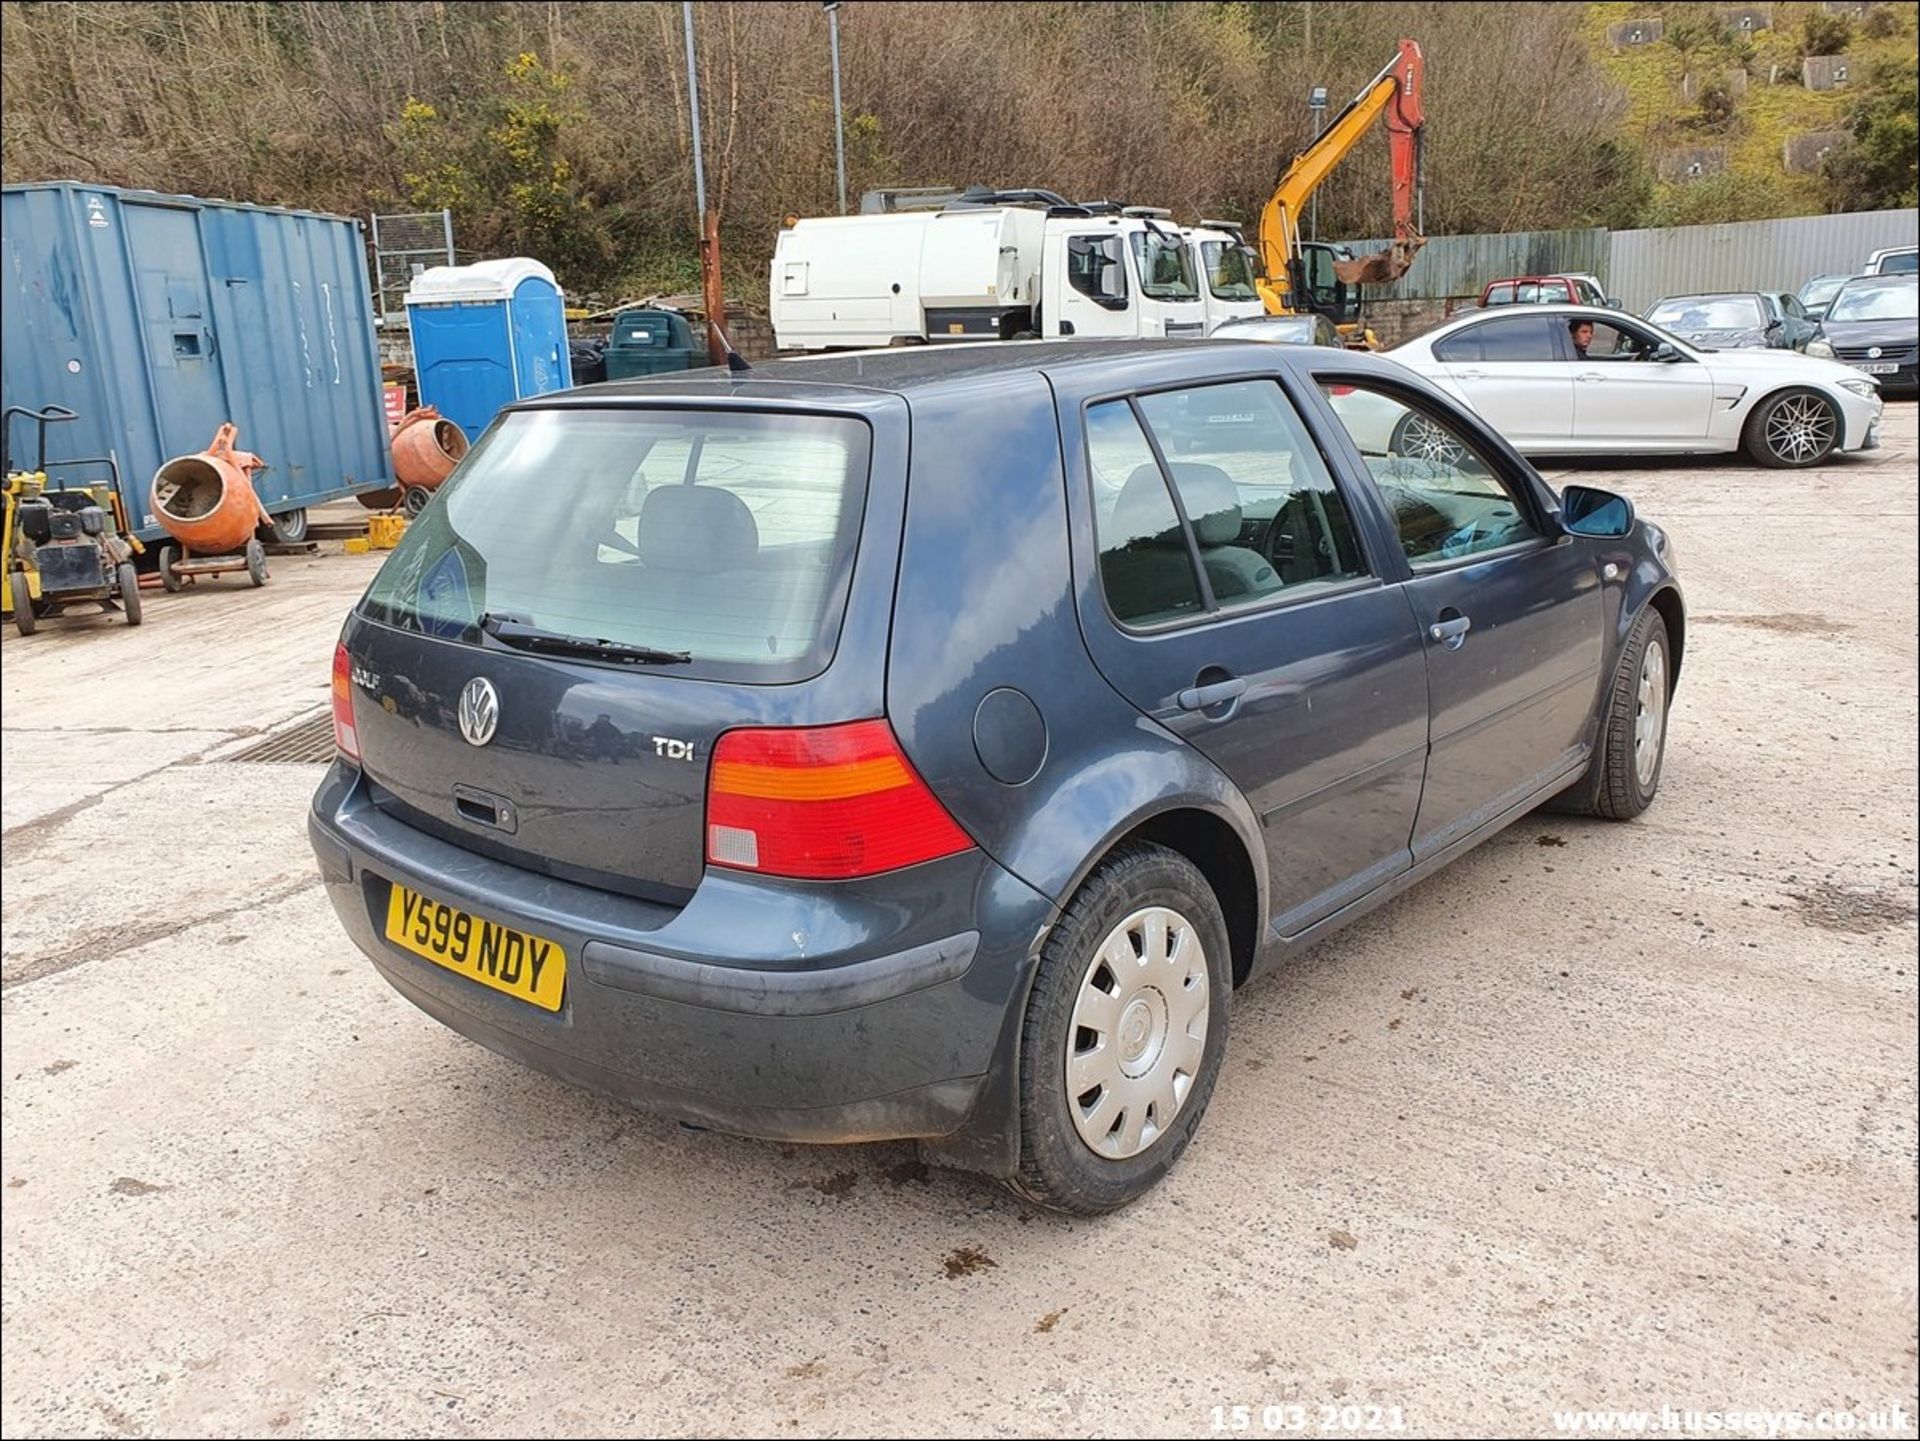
{"x":345,"y":737}
{"x":823,"y":803}
{"x":1339,"y":390}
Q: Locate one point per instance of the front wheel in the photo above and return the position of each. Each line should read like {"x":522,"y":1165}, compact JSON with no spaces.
{"x":1124,"y":1033}
{"x":256,"y":562}
{"x":1418,"y":438}
{"x":23,"y":615}
{"x":1792,"y":430}
{"x":127,"y":580}
{"x":1632,"y":747}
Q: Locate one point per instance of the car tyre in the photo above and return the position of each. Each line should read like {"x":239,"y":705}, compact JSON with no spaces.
{"x":1632,"y":748}
{"x":1792,"y":430}
{"x":1128,"y":934}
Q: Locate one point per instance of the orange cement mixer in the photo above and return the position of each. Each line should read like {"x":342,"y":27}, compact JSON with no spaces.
{"x":426,"y":448}
{"x":207,"y":502}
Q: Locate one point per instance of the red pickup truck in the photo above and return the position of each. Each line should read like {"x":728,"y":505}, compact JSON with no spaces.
{"x":1540,"y":290}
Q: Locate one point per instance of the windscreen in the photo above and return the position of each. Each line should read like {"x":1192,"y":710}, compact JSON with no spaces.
{"x":1166,"y":269}
{"x":1876,"y":302}
{"x":723,"y":534}
{"x":1709,"y":312}
{"x":1229,"y":270}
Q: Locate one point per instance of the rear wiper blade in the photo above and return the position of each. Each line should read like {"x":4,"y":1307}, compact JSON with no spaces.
{"x":522,"y":636}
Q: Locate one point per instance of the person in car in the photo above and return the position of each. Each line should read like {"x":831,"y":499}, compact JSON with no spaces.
{"x":1582,"y":333}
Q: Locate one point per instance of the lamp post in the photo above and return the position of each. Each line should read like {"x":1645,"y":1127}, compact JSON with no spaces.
{"x":1317,"y":108}
{"x":832,"y":7}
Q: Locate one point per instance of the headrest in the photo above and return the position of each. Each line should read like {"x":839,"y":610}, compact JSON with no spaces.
{"x":1209,"y":494}
{"x":697,"y":527}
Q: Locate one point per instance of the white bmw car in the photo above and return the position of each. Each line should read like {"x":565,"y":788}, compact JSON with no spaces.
{"x":1553,"y":388}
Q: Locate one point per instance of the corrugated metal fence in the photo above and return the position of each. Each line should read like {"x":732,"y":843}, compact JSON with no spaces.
{"x":1640,"y":266}
{"x":1754,"y":255}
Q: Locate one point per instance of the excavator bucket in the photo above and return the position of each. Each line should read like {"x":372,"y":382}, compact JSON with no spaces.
{"x":1382,"y":267}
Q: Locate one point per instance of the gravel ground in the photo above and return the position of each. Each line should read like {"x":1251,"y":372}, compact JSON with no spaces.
{"x":1603,"y":1116}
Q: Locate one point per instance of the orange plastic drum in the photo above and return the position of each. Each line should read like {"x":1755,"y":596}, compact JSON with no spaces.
{"x":207,"y":501}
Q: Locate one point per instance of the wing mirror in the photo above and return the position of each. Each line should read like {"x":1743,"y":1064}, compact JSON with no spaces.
{"x":1612,"y":302}
{"x":1587,"y":510}
{"x":1665,"y":354}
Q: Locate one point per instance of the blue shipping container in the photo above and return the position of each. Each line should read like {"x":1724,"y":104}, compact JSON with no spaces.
{"x":157,"y":317}
{"x":486,"y":335}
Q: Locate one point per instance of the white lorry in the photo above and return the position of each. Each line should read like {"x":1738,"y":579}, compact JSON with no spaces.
{"x":981,"y":271}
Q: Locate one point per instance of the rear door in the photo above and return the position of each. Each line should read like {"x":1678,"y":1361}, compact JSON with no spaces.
{"x":1239,"y":607}
{"x":1510,"y":367}
{"x":176,"y":325}
{"x":728,"y":535}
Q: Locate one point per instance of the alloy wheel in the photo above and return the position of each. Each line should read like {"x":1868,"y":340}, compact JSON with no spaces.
{"x":1800,"y":429}
{"x":1650,"y":715}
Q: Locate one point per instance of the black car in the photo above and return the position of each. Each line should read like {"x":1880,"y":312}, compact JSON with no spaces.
{"x":1874,"y":326}
{"x":929,"y":743}
{"x":1737,"y":320}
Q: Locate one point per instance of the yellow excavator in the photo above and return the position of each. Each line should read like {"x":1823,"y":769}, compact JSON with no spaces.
{"x":1300,"y":277}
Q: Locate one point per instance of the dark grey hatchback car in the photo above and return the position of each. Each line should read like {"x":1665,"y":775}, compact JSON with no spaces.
{"x":928,"y":743}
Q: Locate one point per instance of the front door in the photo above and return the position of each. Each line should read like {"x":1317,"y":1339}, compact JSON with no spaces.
{"x":176,"y":326}
{"x":1510,"y":613}
{"x":1094,"y":297}
{"x":1252,"y":622}
{"x":1510,"y":368}
{"x":1629,"y":387}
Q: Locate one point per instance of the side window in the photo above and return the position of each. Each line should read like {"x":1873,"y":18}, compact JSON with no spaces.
{"x":1462,"y":345}
{"x":1096,"y":267}
{"x":1145,"y":566}
{"x":1518,"y":337}
{"x":1791,"y":304}
{"x":1447,"y":501}
{"x":1615,"y":342}
{"x":1257,"y":492}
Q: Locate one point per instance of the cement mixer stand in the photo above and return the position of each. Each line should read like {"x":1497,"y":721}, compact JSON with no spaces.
{"x":207,"y":503}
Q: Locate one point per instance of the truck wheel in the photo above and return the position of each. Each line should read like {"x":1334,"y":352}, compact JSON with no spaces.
{"x":170,"y":579}
{"x":1124,"y":1032}
{"x":256,"y":562}
{"x":23,"y":615}
{"x":128,"y":580}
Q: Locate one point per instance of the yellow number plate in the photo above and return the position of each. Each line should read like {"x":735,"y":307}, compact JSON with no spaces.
{"x":525,"y":967}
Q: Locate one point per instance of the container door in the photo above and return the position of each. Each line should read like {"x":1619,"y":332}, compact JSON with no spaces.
{"x":176,"y":323}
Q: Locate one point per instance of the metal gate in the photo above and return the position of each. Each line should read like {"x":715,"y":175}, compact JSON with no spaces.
{"x":403,"y":246}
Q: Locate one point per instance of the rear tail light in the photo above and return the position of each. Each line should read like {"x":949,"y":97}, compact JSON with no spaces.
{"x":345,"y":737}
{"x":1339,"y":390}
{"x":823,"y":803}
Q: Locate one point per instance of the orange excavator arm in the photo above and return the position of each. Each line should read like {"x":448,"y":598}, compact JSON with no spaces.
{"x":1395,"y":94}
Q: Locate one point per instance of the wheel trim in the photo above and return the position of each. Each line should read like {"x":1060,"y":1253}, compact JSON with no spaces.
{"x":1800,"y":428}
{"x":1138,"y":1032}
{"x":1650,"y":714}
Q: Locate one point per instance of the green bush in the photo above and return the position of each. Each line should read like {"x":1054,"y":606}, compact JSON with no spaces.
{"x":1882,"y":22}
{"x":1875,"y":169}
{"x":1825,"y":35}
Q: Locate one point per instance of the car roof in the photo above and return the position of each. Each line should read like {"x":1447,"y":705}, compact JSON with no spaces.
{"x":1906,"y":277}
{"x":1713,"y":295}
{"x":901,"y":370}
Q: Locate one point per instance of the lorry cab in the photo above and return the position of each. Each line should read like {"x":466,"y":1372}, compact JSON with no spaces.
{"x":1227,"y":270}
{"x":1119,"y":275}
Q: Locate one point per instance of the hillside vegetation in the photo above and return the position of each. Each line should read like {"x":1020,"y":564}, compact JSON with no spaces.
{"x":560,"y":130}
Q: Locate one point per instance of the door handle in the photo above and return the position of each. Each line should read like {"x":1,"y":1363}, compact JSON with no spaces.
{"x":1590,"y":376}
{"x":1206,"y":697}
{"x":1471,"y":374}
{"x":1450,"y":630}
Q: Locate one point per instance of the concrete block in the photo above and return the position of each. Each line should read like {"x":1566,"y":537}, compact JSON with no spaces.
{"x":1803,"y":154}
{"x":1747,"y":19}
{"x":1636,"y":32}
{"x":1826,"y":72}
{"x":1695,"y":162}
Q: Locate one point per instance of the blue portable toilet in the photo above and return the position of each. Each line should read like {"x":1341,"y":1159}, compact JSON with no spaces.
{"x":486,"y":335}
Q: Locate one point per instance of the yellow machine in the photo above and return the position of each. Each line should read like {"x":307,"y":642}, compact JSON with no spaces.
{"x":63,"y":543}
{"x":1300,"y":277}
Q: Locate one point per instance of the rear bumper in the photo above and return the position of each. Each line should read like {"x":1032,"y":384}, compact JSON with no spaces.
{"x":774,"y":1009}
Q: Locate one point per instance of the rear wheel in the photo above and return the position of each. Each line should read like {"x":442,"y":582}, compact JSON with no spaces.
{"x":1124,"y":1032}
{"x":128,"y":581}
{"x":170,"y":579}
{"x":289,"y":527}
{"x":256,"y":562}
{"x":23,"y":615}
{"x":1793,"y":429}
{"x":1418,"y":438}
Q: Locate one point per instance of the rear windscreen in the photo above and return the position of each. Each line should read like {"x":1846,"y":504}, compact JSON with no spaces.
{"x":726,"y":535}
